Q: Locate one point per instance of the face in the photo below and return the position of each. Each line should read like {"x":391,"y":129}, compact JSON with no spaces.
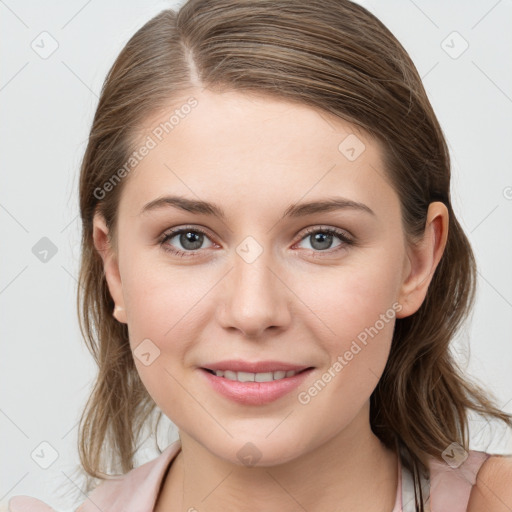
{"x":271,"y":281}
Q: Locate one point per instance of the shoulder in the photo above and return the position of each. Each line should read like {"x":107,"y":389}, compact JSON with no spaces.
{"x":134,"y":491}
{"x":28,"y":504}
{"x":492,"y":491}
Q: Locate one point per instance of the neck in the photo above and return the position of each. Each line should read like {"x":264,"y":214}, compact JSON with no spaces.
{"x":352,"y":471}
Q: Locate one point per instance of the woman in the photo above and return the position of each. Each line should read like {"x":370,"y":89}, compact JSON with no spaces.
{"x":271,"y":257}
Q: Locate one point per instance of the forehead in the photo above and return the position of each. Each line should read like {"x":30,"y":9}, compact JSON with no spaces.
{"x":254,"y":151}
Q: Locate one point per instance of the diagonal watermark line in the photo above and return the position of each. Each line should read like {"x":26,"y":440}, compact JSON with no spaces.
{"x":505,"y":404}
{"x":280,"y":423}
{"x":224,"y":224}
{"x":69,"y":224}
{"x":490,"y":489}
{"x":285,"y":490}
{"x":423,"y":77}
{"x":75,"y":15}
{"x":70,"y":430}
{"x":378,"y":173}
{"x":12,"y":488}
{"x":424,"y":14}
{"x":71,"y":275}
{"x":13,"y":279}
{"x":374,"y":374}
{"x":334,"y":334}
{"x":487,"y":422}
{"x":82,"y":492}
{"x":199,"y":403}
{"x":2,"y":1}
{"x":79,"y":79}
{"x":216,"y":487}
{"x":308,"y":191}
{"x":14,"y":424}
{"x":484,"y":218}
{"x":14,"y":218}
{"x":502,"y":296}
{"x":499,"y":1}
{"x":492,"y":81}
{"x":327,"y":121}
{"x":194,"y":305}
{"x":15,"y":75}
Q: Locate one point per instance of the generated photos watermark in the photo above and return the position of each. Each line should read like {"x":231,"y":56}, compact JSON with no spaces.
{"x":151,"y":142}
{"x":305,"y":397}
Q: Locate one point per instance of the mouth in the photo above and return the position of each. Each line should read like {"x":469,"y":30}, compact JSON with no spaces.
{"x":256,"y":377}
{"x":256,"y":383}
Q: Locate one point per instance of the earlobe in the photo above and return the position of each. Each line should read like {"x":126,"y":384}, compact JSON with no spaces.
{"x":118,"y":314}
{"x":110,"y":265}
{"x":423,"y":258}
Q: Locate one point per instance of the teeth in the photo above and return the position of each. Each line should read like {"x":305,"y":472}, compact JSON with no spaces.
{"x":254,"y":377}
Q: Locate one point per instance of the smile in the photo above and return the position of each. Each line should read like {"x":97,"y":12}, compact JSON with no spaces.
{"x":255,"y":388}
{"x":253,"y":377}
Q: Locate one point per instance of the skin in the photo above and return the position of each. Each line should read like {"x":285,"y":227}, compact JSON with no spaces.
{"x":255,"y":156}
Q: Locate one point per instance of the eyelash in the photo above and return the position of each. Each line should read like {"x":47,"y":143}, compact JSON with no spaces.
{"x":192,"y":254}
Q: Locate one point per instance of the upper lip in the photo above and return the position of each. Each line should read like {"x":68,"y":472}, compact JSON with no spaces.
{"x":254,"y":367}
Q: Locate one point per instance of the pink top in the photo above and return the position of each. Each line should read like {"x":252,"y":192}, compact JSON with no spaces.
{"x":137,"y":490}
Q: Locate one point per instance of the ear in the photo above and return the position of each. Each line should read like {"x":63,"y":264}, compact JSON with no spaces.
{"x":422,"y":260}
{"x":104,"y":247}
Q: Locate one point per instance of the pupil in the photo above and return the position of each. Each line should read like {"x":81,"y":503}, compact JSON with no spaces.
{"x":191,"y":240}
{"x":321,"y":241}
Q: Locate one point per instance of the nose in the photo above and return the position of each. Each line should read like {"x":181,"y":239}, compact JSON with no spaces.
{"x":254,"y":298}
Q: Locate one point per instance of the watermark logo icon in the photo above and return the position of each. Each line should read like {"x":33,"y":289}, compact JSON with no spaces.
{"x":249,"y":454}
{"x":249,"y":249}
{"x":454,"y":45}
{"x":44,"y":455}
{"x":146,"y":352}
{"x":44,"y":45}
{"x":44,"y":250}
{"x":454,"y":455}
{"x":352,"y":147}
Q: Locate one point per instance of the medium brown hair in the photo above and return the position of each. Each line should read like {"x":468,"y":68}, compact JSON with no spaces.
{"x":332,"y":55}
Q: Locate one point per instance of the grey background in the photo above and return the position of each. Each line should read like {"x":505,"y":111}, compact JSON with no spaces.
{"x":47,"y":105}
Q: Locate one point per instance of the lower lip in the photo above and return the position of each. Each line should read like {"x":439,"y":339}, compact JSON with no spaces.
{"x":255,"y":393}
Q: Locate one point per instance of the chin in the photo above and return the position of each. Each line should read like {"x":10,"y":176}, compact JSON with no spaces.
{"x":255,"y":451}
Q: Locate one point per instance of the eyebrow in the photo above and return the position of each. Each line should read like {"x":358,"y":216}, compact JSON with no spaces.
{"x":294,"y":210}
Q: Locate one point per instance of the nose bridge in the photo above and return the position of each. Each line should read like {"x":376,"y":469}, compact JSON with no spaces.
{"x":255,"y":298}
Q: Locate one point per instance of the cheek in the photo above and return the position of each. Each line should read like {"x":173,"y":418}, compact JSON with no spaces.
{"x":351,"y":298}
{"x":159,"y":298}
{"x":160,"y":329}
{"x":164,"y":315}
{"x":355,"y":310}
